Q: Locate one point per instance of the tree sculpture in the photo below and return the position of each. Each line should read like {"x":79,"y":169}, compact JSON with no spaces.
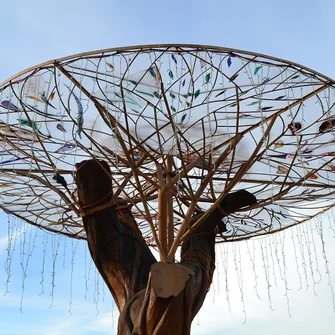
{"x":165,"y":146}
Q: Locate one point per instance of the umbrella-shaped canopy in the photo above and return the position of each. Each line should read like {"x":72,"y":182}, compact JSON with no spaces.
{"x":200,"y":121}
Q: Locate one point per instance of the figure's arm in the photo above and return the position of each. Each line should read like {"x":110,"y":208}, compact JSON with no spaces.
{"x":198,"y":252}
{"x":115,"y":242}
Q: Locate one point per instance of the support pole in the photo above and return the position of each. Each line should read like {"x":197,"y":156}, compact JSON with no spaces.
{"x":165,"y":206}
{"x":162,"y":221}
{"x":169,"y":202}
{"x":162,"y":213}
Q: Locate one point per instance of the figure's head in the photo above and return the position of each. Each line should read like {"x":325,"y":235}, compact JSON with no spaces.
{"x":94,"y":182}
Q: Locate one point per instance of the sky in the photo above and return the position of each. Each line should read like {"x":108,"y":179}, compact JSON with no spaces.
{"x":292,"y":299}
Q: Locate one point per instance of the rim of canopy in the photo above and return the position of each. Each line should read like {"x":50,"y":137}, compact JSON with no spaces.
{"x":162,"y":46}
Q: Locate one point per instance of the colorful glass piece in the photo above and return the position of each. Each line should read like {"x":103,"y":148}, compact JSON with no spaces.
{"x":220,"y":93}
{"x":171,"y":74}
{"x":254,"y":103}
{"x":263,"y":109}
{"x":80,"y":114}
{"x":174,"y":58}
{"x":61,"y":128}
{"x":111,"y":66}
{"x":12,"y":160}
{"x":8,"y":105}
{"x":257,"y":69}
{"x":45,"y":100}
{"x":66,"y":147}
{"x":183,"y":118}
{"x":34,"y":98}
{"x":282,"y":170}
{"x":233,"y":77}
{"x":278,"y":144}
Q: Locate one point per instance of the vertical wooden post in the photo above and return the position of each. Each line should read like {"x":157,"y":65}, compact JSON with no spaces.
{"x":162,"y":212}
{"x":162,"y":222}
{"x":169,"y":202}
{"x":165,"y":206}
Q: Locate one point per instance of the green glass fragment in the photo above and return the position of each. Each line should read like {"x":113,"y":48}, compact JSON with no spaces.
{"x":132,"y":101}
{"x":28,"y":123}
{"x":183,"y":117}
{"x":144,"y":93}
{"x":188,"y":104}
{"x":171,"y":74}
{"x":220,"y":93}
{"x":253,"y":103}
{"x":173,"y":109}
{"x":172,"y":95}
{"x":295,"y":77}
{"x":257,"y":69}
{"x":196,"y":94}
{"x":207,"y":77}
{"x":32,"y":125}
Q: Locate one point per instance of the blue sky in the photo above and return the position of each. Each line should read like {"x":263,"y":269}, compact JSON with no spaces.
{"x":35,"y":31}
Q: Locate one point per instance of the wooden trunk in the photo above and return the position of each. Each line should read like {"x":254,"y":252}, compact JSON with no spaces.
{"x":124,"y":260}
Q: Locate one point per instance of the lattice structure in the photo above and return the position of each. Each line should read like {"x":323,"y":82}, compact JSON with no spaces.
{"x":182,"y":122}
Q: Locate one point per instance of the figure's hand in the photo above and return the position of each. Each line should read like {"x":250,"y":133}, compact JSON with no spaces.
{"x":232,"y":202}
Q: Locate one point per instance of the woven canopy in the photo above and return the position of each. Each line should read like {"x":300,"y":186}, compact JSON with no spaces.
{"x":206,"y":120}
